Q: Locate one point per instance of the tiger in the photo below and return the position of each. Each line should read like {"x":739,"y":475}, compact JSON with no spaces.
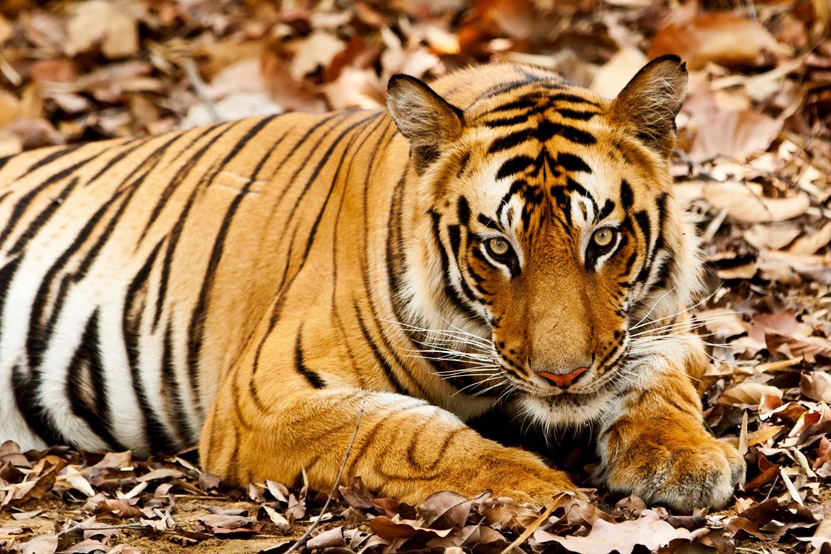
{"x":499,"y":242}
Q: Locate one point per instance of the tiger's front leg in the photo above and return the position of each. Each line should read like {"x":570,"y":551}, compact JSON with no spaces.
{"x":405,"y":448}
{"x":657,"y":446}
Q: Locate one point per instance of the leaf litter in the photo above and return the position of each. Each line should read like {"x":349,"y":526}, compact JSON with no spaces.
{"x":753,"y":165}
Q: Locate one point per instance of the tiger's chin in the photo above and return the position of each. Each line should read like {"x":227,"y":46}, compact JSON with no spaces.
{"x":557,"y":408}
{"x":566,"y":409}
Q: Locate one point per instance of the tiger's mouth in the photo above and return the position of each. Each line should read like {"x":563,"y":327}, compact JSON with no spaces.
{"x":602,"y":376}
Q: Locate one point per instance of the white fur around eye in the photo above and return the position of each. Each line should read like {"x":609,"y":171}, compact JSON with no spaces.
{"x":589,"y":242}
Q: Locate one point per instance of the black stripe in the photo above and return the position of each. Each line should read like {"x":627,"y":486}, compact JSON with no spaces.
{"x":88,"y":355}
{"x":449,"y":289}
{"x":25,"y":395}
{"x":52,"y":157}
{"x":573,"y":186}
{"x":513,"y":166}
{"x":171,"y":384}
{"x":115,"y":159}
{"x":507,"y":121}
{"x":489,"y":223}
{"x":527,"y":101}
{"x":176,"y":232}
{"x":396,"y":384}
{"x":131,"y":319}
{"x":463,"y":161}
{"x":302,"y":140}
{"x":642,"y":220}
{"x":606,"y":210}
{"x":299,"y":365}
{"x":42,"y":218}
{"x":643,"y":223}
{"x":570,"y":162}
{"x":7,"y":273}
{"x":574,"y":114}
{"x":573,"y":98}
{"x":511,"y":140}
{"x":547,"y":129}
{"x":504,"y":88}
{"x":313,"y":177}
{"x":626,"y":196}
{"x":661,"y":203}
{"x":312,"y":150}
{"x":631,"y":261}
{"x":463,"y":210}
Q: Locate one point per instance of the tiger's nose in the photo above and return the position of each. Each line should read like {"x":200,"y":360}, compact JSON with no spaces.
{"x":563,"y":379}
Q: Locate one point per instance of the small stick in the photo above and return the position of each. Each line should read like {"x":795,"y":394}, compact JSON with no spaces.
{"x":530,"y":529}
{"x":302,"y":540}
{"x":199,"y":88}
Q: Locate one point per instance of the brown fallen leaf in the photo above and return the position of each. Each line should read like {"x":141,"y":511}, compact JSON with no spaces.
{"x":816,"y":385}
{"x":823,"y":453}
{"x":748,"y":393}
{"x":744,"y":202}
{"x":396,"y":528}
{"x":725,"y":38}
{"x":280,"y":522}
{"x":44,"y":544}
{"x":230,"y":526}
{"x":445,"y":510}
{"x":649,"y":531}
{"x":733,"y":134}
{"x":315,"y":51}
{"x":812,"y":241}
{"x":331,"y":538}
{"x":113,"y":25}
{"x":118,"y":508}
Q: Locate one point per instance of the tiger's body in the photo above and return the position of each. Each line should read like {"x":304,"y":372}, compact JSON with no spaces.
{"x":253,"y":285}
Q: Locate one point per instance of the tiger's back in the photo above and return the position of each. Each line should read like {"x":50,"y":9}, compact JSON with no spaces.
{"x":132,"y":272}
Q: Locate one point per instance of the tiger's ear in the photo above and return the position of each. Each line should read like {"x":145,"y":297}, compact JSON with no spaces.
{"x":425,"y":118}
{"x":651,"y":100}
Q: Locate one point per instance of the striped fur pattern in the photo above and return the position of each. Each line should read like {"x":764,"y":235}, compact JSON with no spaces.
{"x":250,"y":286}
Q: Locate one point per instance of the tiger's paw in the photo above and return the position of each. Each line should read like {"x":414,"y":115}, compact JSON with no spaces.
{"x":541,"y":493}
{"x":532,"y":483}
{"x":681,"y":473}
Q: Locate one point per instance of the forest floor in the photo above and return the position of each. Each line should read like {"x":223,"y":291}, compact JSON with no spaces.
{"x":753,"y":162}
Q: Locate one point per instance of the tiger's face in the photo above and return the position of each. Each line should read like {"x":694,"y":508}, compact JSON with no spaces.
{"x":552,"y":219}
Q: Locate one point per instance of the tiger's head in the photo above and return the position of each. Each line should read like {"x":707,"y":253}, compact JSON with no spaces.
{"x":545,"y":232}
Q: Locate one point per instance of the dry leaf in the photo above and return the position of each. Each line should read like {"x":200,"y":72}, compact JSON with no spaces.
{"x":733,"y":134}
{"x":616,"y":73}
{"x":112,"y":25}
{"x":44,"y":544}
{"x":745,"y":203}
{"x":281,"y":523}
{"x":748,"y":394}
{"x":817,"y":386}
{"x":725,"y":38}
{"x":315,"y":52}
{"x":649,"y":531}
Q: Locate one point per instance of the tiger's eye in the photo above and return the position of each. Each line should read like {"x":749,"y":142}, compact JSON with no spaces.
{"x":603,"y":237}
{"x":498,"y":247}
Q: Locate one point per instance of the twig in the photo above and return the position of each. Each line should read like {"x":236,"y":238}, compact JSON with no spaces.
{"x":302,"y":540}
{"x":530,"y":529}
{"x":199,"y":88}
